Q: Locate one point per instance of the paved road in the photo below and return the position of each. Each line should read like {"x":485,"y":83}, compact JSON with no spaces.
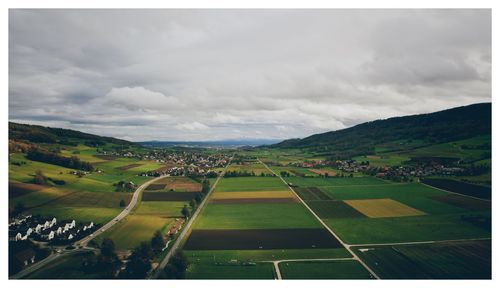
{"x":184,"y":232}
{"x":346,"y":246}
{"x":84,"y":241}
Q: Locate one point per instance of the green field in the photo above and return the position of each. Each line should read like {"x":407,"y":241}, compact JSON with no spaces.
{"x":231,"y":271}
{"x":333,"y":181}
{"x":64,"y":267}
{"x":345,"y":269}
{"x":249,"y":184}
{"x":453,"y":260}
{"x":254,"y":216}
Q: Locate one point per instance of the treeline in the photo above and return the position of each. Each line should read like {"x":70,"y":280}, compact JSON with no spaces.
{"x":56,"y":159}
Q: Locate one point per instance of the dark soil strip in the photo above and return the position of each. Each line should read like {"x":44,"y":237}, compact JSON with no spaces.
{"x":168,"y":196}
{"x":253,"y":200}
{"x":463,"y":202}
{"x":260,"y":239}
{"x":460,"y":187}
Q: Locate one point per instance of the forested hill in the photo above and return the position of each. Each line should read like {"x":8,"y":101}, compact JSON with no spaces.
{"x":438,"y":127}
{"x":40,"y":134}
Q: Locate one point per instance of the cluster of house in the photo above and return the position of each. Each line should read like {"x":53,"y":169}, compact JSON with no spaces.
{"x":46,"y":230}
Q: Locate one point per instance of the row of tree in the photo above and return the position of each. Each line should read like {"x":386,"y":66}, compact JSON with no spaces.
{"x":56,"y":159}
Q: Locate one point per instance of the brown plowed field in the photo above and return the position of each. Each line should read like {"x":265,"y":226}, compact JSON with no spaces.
{"x":18,"y":189}
{"x":252,"y":239}
{"x":168,"y":196}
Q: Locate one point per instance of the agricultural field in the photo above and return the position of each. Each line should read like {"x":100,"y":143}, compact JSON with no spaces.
{"x":340,"y":269}
{"x":66,"y":267}
{"x":247,"y":223}
{"x":156,"y":211}
{"x":451,"y":260}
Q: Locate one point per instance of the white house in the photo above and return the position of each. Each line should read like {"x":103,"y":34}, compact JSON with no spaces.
{"x":46,"y":225}
{"x":70,"y":236}
{"x":18,"y":237}
{"x":29,"y":231}
{"x":38,"y":228}
{"x":91,"y":225}
{"x":53,"y":222}
{"x":51,"y":235}
{"x":59,"y":230}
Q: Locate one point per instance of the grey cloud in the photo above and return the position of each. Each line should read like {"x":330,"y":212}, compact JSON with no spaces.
{"x":220,"y":74}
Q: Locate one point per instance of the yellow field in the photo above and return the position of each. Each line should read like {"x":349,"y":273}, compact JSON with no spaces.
{"x":253,"y":195}
{"x":378,"y":208}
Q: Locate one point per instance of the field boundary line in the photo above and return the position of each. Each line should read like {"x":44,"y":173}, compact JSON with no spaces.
{"x":420,"y":242}
{"x":355,"y":257}
{"x":187,"y":228}
{"x":455,"y":192}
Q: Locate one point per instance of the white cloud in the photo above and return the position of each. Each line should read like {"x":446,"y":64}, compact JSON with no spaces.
{"x":193,"y":126}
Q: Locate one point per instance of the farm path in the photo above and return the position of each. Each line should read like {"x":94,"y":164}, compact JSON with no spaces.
{"x":355,"y":257}
{"x":418,"y":242}
{"x":277,"y":262}
{"x":187,"y":228}
{"x":83,"y":242}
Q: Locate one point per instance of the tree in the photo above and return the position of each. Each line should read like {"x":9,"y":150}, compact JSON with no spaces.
{"x":192,"y":204}
{"x":107,"y":247}
{"x":185,"y":212}
{"x":205,"y":186}
{"x":176,"y":267}
{"x":139,"y":262}
{"x":157,"y":242}
{"x":39,"y":178}
{"x":122,"y":203}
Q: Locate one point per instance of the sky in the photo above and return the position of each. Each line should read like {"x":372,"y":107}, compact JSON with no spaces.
{"x":194,"y":75}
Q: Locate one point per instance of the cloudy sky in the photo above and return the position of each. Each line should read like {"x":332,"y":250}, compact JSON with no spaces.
{"x":234,"y":74}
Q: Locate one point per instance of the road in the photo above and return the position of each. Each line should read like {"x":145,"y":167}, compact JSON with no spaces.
{"x":36,"y":266}
{"x":82,"y":243}
{"x":346,"y":246}
{"x":184,"y":232}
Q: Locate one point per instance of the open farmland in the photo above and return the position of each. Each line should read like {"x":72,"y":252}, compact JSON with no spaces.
{"x":377,"y":208}
{"x":448,"y":260}
{"x":340,"y":269}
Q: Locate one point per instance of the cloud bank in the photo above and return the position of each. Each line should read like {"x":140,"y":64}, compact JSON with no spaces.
{"x":233,"y":74}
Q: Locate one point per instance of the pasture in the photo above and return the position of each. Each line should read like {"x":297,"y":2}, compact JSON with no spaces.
{"x":230,"y":270}
{"x":344,"y":269}
{"x":253,"y":194}
{"x":333,"y":209}
{"x":255,"y":216}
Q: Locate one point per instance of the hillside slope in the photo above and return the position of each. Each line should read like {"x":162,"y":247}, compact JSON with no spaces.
{"x":423,"y":129}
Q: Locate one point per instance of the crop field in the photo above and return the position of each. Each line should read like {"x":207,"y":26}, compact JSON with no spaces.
{"x":324,"y":171}
{"x":452,"y":260}
{"x":256,"y":216}
{"x":312,"y":193}
{"x":162,"y":208}
{"x":333,"y":181}
{"x":261,"y":239}
{"x":334,"y":209}
{"x":256,"y":168}
{"x":459,"y":187}
{"x":177,"y":184}
{"x":134,"y":229}
{"x":345,"y":269}
{"x":230,"y":271}
{"x":18,"y":189}
{"x":250,"y":184}
{"x":253,"y":194}
{"x":65,"y":267}
{"x":377,"y":208}
{"x":98,"y":215}
{"x":467,"y":203}
{"x":168,"y":196}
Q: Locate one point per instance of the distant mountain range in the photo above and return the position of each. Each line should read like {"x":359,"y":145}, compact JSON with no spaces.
{"x":211,"y":144}
{"x":423,"y":129}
